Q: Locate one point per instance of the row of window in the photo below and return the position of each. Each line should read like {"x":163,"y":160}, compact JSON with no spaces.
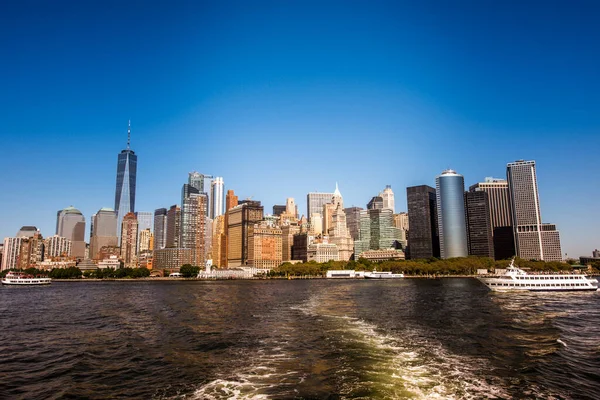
{"x":539,"y":284}
{"x":549,"y":277}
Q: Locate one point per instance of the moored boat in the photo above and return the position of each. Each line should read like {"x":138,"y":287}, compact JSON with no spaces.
{"x":382,"y":275}
{"x":23,"y":279}
{"x":516,"y":279}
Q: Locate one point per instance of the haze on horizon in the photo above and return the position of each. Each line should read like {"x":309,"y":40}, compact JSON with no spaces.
{"x":283,"y":98}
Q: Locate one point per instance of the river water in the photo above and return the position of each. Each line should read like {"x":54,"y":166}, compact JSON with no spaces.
{"x":304,"y":339}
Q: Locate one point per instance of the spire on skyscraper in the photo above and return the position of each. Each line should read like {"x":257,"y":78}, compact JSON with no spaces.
{"x":128,"y":134}
{"x":337,"y":191}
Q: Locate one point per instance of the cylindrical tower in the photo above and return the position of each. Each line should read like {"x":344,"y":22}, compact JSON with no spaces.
{"x":450,"y":191}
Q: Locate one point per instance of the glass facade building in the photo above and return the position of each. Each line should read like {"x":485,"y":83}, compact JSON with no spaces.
{"x":450,"y":193}
{"x":126,"y":179}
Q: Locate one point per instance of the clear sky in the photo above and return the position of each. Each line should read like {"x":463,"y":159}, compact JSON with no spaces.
{"x":285,"y":97}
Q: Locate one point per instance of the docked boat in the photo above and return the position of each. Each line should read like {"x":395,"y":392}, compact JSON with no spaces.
{"x":382,"y":275}
{"x":516,"y":279}
{"x":23,"y":279}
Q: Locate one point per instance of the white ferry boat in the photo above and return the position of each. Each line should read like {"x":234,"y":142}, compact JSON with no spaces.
{"x":517,"y":279}
{"x":22,"y":279}
{"x":382,"y":275}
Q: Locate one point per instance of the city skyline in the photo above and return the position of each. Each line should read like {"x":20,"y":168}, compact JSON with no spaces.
{"x":394,"y":113}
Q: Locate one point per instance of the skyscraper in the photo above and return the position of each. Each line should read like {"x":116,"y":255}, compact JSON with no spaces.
{"x":376,"y":203}
{"x":533,"y":240}
{"x":479,"y":225}
{"x":188,"y":207}
{"x":450,"y":191}
{"x":105,"y":231}
{"x":388,"y":198}
{"x":423,"y":240}
{"x":144,"y":219}
{"x":160,"y":228}
{"x":57,"y":246}
{"x":500,"y":216}
{"x":126,"y":179}
{"x":401,"y":222}
{"x":196,"y":179}
{"x":218,"y":200}
{"x":315,"y":202}
{"x":353,"y":221}
{"x":70,"y":224}
{"x":194,"y":227}
{"x":377,"y":231}
{"x":264,"y":246}
{"x":129,"y":240}
{"x":239,"y":221}
{"x":173,"y":236}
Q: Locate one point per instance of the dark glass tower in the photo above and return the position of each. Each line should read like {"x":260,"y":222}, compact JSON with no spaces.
{"x":126,"y":177}
{"x":423,"y":238}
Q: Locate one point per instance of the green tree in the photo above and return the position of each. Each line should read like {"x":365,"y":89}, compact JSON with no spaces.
{"x":189,"y":271}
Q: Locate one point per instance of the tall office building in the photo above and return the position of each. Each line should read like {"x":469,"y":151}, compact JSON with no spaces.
{"x":160,"y":228}
{"x":105,"y":231}
{"x":56,"y":246}
{"x":145,"y":219}
{"x":145,"y":241}
{"x":423,"y":240}
{"x":340,"y":235}
{"x":479,"y":224}
{"x":217,"y":199}
{"x":188,"y":208}
{"x":231,"y":200}
{"x":173,"y":227}
{"x":315,"y":202}
{"x":126,"y":180}
{"x":533,"y":240}
{"x":129,"y":240}
{"x":70,"y":224}
{"x":450,"y":190}
{"x":264,"y":246}
{"x":388,"y":198}
{"x":194,"y":226}
{"x":278,"y":210}
{"x":353,"y":221}
{"x":500,"y":216}
{"x":239,"y":221}
{"x":376,"y":203}
{"x":219,"y":242}
{"x":377,"y":231}
{"x":196,"y":180}
{"x":401,"y":222}
{"x":31,"y":251}
{"x":287,"y":240}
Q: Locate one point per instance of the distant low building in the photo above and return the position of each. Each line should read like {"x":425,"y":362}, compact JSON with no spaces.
{"x":172,"y":258}
{"x":111,"y":261}
{"x":382,"y":255}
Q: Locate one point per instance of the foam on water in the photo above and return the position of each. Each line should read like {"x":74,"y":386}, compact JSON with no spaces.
{"x":406,"y":366}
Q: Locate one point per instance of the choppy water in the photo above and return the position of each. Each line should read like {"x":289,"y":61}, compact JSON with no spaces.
{"x":313,"y":339}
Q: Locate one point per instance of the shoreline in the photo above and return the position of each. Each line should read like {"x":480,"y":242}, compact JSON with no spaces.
{"x":167,"y":279}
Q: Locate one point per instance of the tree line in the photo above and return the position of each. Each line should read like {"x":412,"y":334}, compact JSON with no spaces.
{"x":431,"y":266}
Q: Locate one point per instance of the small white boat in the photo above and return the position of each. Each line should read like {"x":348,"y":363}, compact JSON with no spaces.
{"x":22,"y":279}
{"x":382,"y":275}
{"x":516,"y":279}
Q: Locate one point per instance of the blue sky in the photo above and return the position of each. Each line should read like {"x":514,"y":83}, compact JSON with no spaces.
{"x":283,"y":98}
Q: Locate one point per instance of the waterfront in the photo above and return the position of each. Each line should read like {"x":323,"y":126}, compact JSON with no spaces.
{"x":317,"y":339}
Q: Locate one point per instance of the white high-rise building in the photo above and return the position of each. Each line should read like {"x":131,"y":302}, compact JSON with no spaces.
{"x":12,"y":249}
{"x":217,"y":197}
{"x":388,"y":198}
{"x":57,"y":246}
